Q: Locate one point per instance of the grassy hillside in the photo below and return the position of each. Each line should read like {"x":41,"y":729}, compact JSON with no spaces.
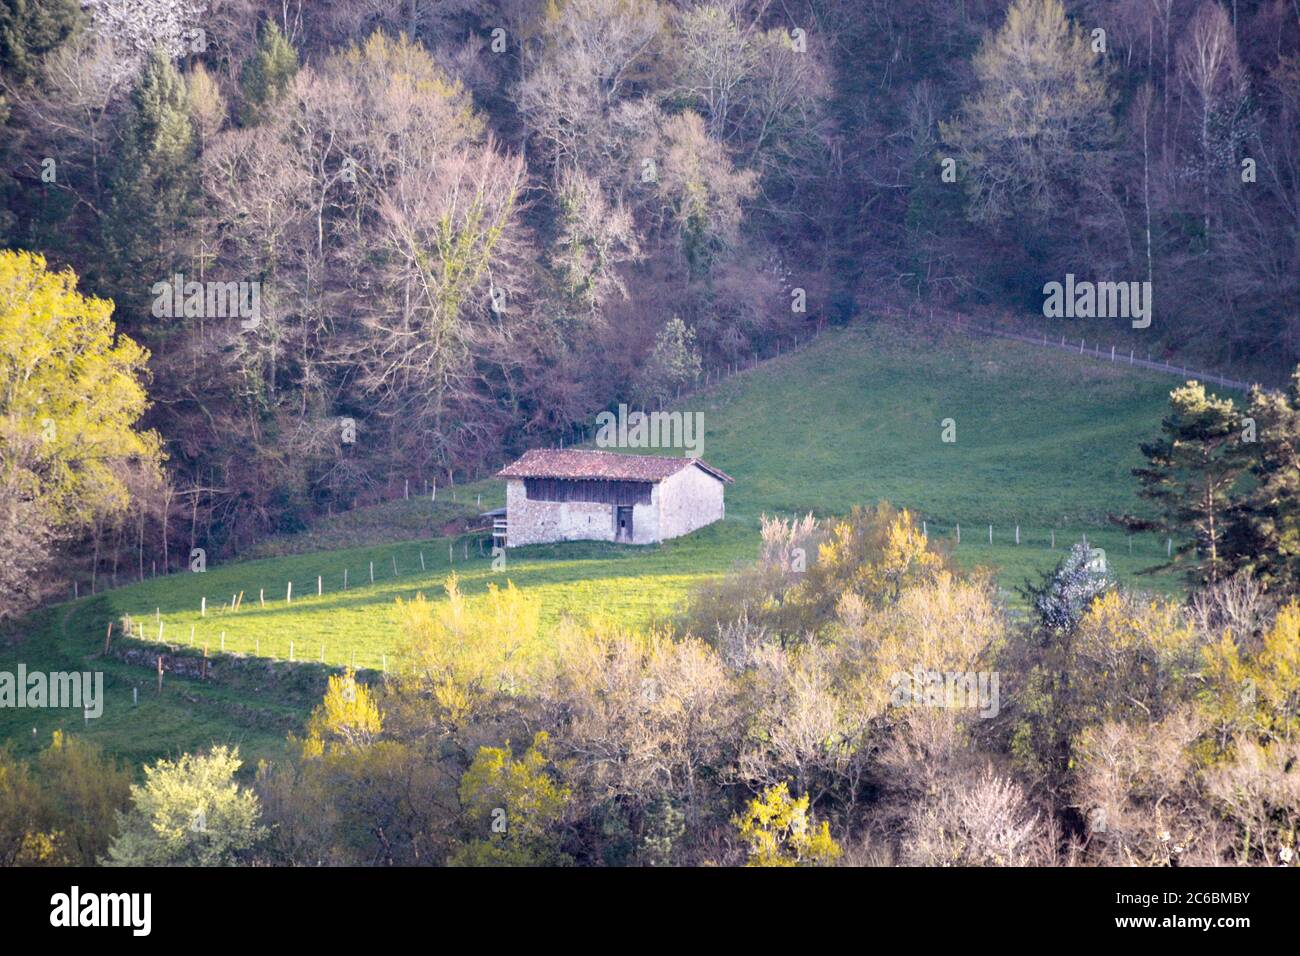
{"x":1042,"y":439}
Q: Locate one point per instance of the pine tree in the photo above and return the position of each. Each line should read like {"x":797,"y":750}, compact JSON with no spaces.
{"x":1190,"y":473}
{"x":30,"y":29}
{"x":1263,"y":536}
{"x":267,"y":73}
{"x":153,"y":185}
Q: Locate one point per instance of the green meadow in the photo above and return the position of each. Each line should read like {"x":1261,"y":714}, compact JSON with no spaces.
{"x":1043,"y":440}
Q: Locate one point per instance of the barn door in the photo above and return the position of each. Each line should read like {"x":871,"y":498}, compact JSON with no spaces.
{"x":623,"y":525}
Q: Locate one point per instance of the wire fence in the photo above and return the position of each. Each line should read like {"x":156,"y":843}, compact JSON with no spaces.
{"x":217,"y":636}
{"x":1104,"y":351}
{"x":1061,"y":538}
{"x":216,"y":626}
{"x":1114,"y":354}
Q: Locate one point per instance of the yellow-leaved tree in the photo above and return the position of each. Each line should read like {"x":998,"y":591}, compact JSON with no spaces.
{"x":875,"y":553}
{"x":1254,"y":691}
{"x":346,"y":719}
{"x":463,"y":652}
{"x":512,"y":808}
{"x":780,"y":831}
{"x":71,"y":397}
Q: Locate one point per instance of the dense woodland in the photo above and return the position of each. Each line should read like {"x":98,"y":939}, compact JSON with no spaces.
{"x":473,"y":225}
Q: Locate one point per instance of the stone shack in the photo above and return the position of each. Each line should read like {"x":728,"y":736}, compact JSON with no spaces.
{"x":570,"y":495}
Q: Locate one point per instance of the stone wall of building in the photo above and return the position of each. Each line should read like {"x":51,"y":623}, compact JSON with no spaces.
{"x":678,"y":505}
{"x":542,"y":522}
{"x":688,"y":500}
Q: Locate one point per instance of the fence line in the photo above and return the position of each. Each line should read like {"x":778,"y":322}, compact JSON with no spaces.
{"x":1117,"y":356}
{"x":1099,"y":351}
{"x":980,"y":534}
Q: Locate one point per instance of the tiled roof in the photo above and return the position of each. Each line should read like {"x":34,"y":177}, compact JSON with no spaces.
{"x":601,"y":465}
